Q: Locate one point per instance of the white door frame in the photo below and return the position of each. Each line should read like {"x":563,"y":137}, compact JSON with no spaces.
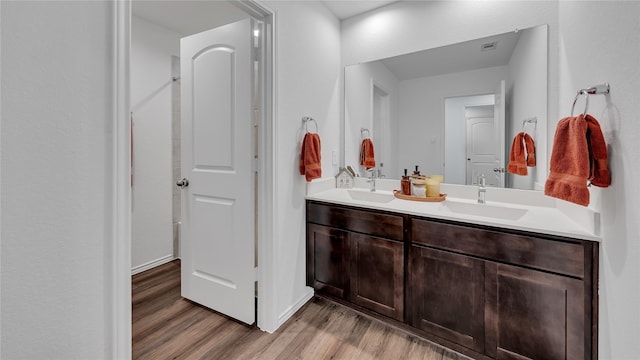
{"x":118,"y":270}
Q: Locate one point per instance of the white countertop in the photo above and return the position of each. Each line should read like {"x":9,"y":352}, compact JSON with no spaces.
{"x":542,"y":214}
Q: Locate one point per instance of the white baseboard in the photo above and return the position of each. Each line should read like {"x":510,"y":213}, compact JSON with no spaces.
{"x":152,"y":264}
{"x":295,"y":307}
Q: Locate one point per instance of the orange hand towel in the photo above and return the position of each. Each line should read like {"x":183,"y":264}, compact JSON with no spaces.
{"x":598,"y":174}
{"x":310,"y":164}
{"x":367,"y":157}
{"x":517,"y":162}
{"x":531,"y":150}
{"x":569,"y":165}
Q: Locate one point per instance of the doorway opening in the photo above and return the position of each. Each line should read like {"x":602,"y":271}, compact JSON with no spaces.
{"x":380,"y":125}
{"x":455,"y":128}
{"x":480,"y":141}
{"x":153,"y":91}
{"x":156,"y":30}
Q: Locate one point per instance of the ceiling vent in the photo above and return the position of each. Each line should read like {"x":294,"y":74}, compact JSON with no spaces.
{"x":489,"y":46}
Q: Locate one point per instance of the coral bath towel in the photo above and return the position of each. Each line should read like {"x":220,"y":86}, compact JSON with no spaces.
{"x":522,"y":154}
{"x":517,"y":162}
{"x":530,"y":146}
{"x":599,"y":173}
{"x":579,"y":154}
{"x":310,"y":162}
{"x":367,"y":156}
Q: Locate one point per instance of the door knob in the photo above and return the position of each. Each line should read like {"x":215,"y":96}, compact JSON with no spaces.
{"x":183,"y":183}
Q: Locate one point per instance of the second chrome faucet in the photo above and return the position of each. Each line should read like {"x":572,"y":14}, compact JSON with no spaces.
{"x":482,"y":189}
{"x":372,"y":178}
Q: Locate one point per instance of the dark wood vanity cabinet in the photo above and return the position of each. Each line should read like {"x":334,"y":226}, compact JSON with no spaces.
{"x":357,"y":256}
{"x":506,"y":295}
{"x":535,"y":315}
{"x":328,"y":260}
{"x":447,"y":296}
{"x":486,"y":292}
{"x":377,"y":274}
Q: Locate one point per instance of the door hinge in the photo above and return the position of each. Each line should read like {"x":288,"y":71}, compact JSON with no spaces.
{"x":255,"y":273}
{"x":255,"y":164}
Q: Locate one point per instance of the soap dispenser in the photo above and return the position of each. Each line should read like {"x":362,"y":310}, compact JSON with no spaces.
{"x":405,"y":184}
{"x":416,"y":173}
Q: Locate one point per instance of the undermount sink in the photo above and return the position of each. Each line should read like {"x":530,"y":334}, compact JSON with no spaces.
{"x":491,"y":211}
{"x":371,"y":196}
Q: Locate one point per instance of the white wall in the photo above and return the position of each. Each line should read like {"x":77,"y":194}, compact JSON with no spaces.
{"x":151,"y":101}
{"x":526,"y":98}
{"x":607,"y":51}
{"x":421,"y":122}
{"x":307,"y":84}
{"x":56,"y":187}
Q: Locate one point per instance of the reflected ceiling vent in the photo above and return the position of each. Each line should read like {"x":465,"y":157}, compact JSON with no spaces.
{"x":489,"y":46}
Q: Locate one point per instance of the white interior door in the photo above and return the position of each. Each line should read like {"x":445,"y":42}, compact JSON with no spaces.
{"x":481,"y":148}
{"x":218,"y":212}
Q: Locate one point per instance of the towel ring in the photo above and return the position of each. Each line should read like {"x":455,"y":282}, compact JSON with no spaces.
{"x":533,"y":121}
{"x":586,"y":99}
{"x":306,"y":120}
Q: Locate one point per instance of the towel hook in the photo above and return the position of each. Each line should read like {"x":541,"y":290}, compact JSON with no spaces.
{"x":586,"y":99}
{"x":306,"y":120}
{"x":365,"y":130}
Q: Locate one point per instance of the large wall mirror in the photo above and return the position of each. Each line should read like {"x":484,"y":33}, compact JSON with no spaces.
{"x":452,"y":110}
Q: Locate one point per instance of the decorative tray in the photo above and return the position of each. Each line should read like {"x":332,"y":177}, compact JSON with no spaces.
{"x":400,"y":195}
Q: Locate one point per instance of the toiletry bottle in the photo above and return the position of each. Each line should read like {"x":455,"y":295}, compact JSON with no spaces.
{"x":416,"y":173}
{"x":405,"y":183}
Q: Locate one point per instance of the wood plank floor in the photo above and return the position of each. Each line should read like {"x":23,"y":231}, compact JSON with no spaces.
{"x":166,"y":326}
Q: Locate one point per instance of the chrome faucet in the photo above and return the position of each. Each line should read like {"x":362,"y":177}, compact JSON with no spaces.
{"x":481,"y":188}
{"x":372,"y":178}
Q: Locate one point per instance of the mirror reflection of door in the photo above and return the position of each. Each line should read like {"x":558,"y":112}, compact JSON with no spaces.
{"x":480,"y":145}
{"x":456,"y":165}
{"x":475,"y":138}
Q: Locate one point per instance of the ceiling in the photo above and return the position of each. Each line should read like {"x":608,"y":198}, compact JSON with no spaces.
{"x":343,"y":9}
{"x":454,"y":58}
{"x":188,"y":17}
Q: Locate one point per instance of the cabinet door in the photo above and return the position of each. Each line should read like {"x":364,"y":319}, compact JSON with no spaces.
{"x":327,"y":259}
{"x":447,"y":296}
{"x":377,"y":275}
{"x":534,"y":315}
